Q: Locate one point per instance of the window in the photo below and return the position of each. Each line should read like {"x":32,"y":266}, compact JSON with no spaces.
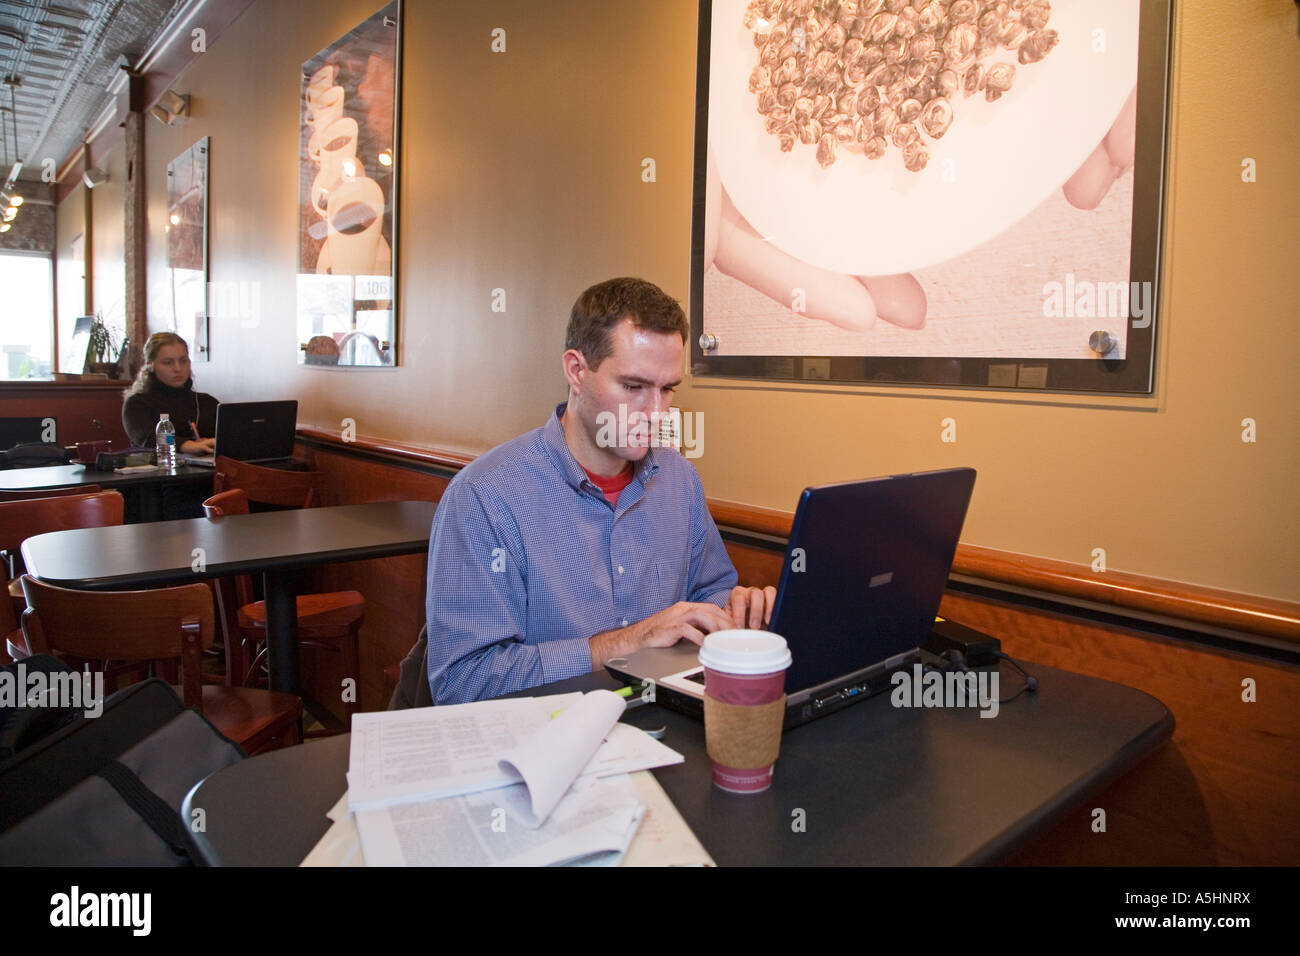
{"x":26,"y":316}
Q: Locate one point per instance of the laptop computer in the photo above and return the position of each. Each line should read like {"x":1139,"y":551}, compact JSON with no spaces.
{"x":261,"y":433}
{"x":865,"y":569}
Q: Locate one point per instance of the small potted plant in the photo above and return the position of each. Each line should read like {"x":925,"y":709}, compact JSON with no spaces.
{"x":102,"y":349}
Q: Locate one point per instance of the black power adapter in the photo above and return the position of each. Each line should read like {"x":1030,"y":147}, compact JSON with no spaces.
{"x":976,"y":648}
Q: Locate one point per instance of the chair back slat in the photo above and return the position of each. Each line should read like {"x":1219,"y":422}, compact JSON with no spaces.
{"x":122,"y":625}
{"x":269,"y":486}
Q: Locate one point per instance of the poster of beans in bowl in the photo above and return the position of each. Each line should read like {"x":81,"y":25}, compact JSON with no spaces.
{"x":938,"y":192}
{"x":347,"y":176}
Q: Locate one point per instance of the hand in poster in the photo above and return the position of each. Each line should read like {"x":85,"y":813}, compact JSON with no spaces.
{"x":1114,"y":154}
{"x":847,"y":301}
{"x":855,"y":302}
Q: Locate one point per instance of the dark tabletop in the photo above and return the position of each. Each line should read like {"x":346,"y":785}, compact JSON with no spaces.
{"x":876,"y":784}
{"x":162,"y":552}
{"x":68,"y":476}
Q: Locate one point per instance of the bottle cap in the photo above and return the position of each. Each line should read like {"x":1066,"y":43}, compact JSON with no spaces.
{"x":164,"y":417}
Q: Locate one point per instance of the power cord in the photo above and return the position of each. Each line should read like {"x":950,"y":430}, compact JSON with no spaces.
{"x":956,"y":659}
{"x":1031,"y":682}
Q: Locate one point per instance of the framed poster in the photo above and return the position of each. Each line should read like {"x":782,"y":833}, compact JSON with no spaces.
{"x":187,"y":246}
{"x":347,"y":192}
{"x":930,"y":192}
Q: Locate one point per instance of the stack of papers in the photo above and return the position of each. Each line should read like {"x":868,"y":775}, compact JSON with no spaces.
{"x":662,"y":839}
{"x":533,"y":781}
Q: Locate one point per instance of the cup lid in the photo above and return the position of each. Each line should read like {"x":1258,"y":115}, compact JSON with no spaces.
{"x":745,"y":652}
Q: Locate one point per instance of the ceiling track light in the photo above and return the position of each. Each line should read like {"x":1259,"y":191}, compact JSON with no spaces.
{"x":171,"y":108}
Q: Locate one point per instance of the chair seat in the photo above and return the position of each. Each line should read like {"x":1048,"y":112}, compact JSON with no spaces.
{"x":336,"y":610}
{"x":252,"y":718}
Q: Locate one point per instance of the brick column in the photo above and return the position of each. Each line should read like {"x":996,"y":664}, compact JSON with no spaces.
{"x":135,"y":222}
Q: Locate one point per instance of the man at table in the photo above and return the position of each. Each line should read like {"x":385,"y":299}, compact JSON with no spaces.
{"x":564,"y":548}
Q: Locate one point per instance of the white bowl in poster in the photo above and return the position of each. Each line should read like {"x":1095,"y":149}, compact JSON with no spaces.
{"x":996,"y":162}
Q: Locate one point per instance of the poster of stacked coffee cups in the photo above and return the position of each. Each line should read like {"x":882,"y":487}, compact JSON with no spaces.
{"x":347,"y":176}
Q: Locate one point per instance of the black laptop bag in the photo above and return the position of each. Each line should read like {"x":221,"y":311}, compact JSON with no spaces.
{"x":38,"y":454}
{"x":21,"y":727}
{"x":107,"y":790}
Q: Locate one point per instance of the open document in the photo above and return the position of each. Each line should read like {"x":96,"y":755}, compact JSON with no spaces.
{"x":439,"y":751}
{"x":517,"y":782}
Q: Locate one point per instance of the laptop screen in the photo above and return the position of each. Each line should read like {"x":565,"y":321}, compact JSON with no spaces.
{"x":866,"y":568}
{"x":256,"y":431}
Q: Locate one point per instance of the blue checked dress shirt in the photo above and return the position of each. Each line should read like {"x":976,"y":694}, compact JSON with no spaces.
{"x":528,"y":560}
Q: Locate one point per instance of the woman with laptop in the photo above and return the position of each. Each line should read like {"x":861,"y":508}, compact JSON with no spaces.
{"x":166,"y":385}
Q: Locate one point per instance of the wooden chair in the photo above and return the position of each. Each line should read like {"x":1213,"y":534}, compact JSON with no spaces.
{"x":330,"y":621}
{"x":15,"y":569}
{"x":21,"y":519}
{"x":268,"y":486}
{"x":152,"y":625}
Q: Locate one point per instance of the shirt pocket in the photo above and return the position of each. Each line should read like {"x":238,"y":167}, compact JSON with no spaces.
{"x":670,"y":580}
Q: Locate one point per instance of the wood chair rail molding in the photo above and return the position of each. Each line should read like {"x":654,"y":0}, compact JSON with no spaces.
{"x":1231,"y":610}
{"x":381,"y":446}
{"x":47,"y":386}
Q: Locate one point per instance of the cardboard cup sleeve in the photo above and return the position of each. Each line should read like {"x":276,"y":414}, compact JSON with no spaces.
{"x":743,"y":737}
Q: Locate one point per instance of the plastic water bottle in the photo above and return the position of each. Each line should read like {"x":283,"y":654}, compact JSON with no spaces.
{"x":164,"y":443}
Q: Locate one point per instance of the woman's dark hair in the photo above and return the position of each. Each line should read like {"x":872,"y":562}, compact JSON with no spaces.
{"x":145,"y":381}
{"x":608,"y":303}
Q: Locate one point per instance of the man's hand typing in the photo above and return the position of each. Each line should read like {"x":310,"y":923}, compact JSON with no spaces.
{"x":683,"y":620}
{"x":751,"y":607}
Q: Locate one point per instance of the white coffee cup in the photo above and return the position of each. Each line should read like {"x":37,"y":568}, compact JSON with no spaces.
{"x":325,"y":109}
{"x":355,"y":220}
{"x":744,"y":706}
{"x":337,"y":143}
{"x":322,"y":79}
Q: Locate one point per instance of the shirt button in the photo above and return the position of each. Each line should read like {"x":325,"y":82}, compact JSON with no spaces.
{"x":625,"y":622}
{"x":620,"y":569}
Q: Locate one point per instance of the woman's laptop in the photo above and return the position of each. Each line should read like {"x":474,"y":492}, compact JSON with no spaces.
{"x":261,"y":433}
{"x":864,"y":572}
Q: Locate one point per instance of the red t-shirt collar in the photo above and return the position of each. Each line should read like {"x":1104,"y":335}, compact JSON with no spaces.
{"x":611,"y":487}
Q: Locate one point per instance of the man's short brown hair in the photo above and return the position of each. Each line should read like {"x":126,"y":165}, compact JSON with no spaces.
{"x":608,"y":303}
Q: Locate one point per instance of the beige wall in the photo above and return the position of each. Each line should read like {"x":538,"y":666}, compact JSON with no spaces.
{"x":108,"y":269}
{"x":522,"y":171}
{"x":69,"y":271}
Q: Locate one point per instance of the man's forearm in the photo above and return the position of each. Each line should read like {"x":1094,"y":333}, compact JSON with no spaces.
{"x":611,"y":644}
